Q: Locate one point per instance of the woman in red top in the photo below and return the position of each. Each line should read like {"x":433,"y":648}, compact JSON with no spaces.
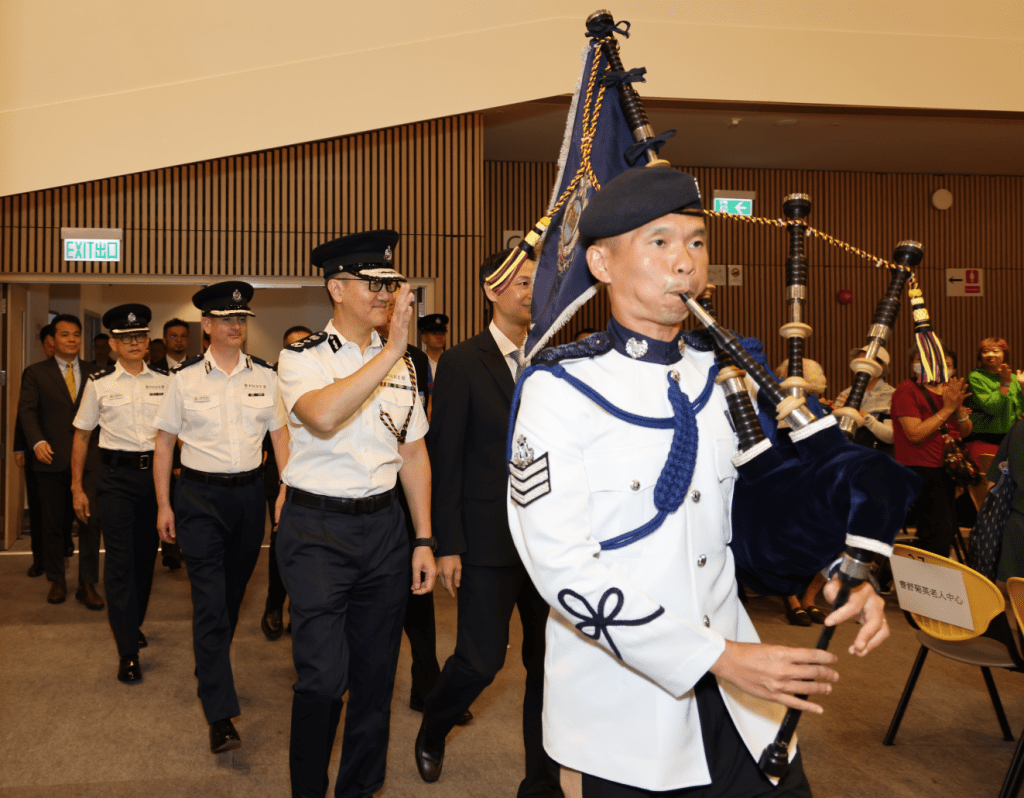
{"x":920,"y":420}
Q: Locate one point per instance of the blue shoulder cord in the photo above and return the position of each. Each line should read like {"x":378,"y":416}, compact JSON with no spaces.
{"x":674,"y":480}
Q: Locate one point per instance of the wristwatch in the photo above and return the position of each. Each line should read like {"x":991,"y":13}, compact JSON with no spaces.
{"x":432,"y":542}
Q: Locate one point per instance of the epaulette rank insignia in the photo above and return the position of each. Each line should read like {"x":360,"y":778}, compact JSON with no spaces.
{"x":530,"y":476}
{"x":591,"y":346}
{"x":103,"y":372}
{"x":309,"y":341}
{"x":190,"y":362}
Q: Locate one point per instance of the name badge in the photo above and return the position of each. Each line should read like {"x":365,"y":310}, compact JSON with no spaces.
{"x":199,"y":399}
{"x":257,"y":394}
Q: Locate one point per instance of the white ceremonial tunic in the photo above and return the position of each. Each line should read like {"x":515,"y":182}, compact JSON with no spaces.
{"x":362,"y":460}
{"x":221,"y":418}
{"x":632,"y":720}
{"x":124,"y":406}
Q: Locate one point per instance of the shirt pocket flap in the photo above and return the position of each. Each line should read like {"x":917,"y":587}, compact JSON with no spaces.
{"x":258,"y":399}
{"x":397,"y":396}
{"x":117,"y":400}
{"x":628,"y":470}
{"x":725,"y":448}
{"x":200,"y":403}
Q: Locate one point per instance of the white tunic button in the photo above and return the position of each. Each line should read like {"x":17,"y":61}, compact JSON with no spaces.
{"x":701,"y":561}
{"x":674,"y":375}
{"x":695,"y":496}
{"x":707,"y":621}
{"x":634,"y":485}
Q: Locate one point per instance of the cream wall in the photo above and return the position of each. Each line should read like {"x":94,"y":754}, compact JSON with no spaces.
{"x":92,"y":90}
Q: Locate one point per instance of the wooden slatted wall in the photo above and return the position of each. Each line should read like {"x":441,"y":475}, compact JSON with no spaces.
{"x":984,"y":229}
{"x":260,"y":215}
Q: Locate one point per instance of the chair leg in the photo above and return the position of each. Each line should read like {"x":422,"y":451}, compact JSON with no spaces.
{"x":901,"y":707}
{"x":997,"y":704}
{"x":1011,"y":785}
{"x":959,"y":547}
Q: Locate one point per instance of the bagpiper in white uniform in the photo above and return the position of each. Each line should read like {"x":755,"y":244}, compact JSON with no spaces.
{"x":646,"y":613}
{"x":124,"y":406}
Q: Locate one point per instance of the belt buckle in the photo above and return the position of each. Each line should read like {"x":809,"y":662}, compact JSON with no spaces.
{"x":143,"y":461}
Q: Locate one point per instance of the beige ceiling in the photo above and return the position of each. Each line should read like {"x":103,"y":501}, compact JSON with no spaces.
{"x":787,"y":137}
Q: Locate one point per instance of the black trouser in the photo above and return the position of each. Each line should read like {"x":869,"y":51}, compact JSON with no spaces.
{"x":734,"y":773}
{"x":348,"y":578}
{"x":57,"y":515}
{"x":936,"y":518}
{"x":419,"y":626}
{"x":276,"y":591}
{"x":35,"y":509}
{"x":486,"y":598}
{"x":220,"y":531}
{"x":126,"y":502}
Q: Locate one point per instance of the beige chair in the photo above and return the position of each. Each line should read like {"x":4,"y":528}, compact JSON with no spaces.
{"x":984,"y":647}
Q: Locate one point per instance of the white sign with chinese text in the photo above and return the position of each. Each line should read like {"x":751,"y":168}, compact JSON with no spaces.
{"x":933,"y":591}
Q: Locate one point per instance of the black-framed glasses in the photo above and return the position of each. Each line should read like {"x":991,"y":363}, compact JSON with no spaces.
{"x":131,"y":338}
{"x":376,"y":284}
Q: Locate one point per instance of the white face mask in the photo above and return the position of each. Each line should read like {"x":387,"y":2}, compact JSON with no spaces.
{"x":916,"y":368}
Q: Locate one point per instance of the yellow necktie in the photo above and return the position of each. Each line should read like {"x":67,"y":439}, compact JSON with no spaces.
{"x":69,"y":379}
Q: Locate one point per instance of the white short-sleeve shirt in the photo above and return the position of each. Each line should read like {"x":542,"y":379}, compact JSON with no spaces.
{"x":124,"y":406}
{"x":221,"y":418}
{"x":360,"y":457}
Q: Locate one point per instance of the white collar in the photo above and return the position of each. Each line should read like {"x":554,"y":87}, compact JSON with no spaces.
{"x":505,"y":345}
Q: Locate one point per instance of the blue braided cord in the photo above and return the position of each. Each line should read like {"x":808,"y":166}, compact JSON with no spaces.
{"x":601,"y":618}
{"x":630,"y":418}
{"x":625,"y":539}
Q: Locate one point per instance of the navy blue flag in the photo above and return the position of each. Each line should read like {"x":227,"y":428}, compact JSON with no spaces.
{"x":563,"y":283}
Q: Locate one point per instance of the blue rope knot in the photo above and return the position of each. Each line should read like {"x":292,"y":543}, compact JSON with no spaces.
{"x":600,"y":619}
{"x":613,"y":78}
{"x":635,"y":151}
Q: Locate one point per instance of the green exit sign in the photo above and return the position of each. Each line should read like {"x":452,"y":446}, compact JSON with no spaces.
{"x":92,"y":249}
{"x":740,"y":207}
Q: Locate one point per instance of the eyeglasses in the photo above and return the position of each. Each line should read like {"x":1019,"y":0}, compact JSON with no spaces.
{"x":375,"y":284}
{"x":131,"y":338}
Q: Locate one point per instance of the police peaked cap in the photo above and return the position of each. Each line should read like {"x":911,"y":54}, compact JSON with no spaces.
{"x":369,"y":254}
{"x":230,"y":298}
{"x":636,"y":197}
{"x":123,"y":319}
{"x":433,"y":322}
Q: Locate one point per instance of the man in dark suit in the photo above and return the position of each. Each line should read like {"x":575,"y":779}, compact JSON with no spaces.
{"x":471,"y":402}
{"x":50,"y":394}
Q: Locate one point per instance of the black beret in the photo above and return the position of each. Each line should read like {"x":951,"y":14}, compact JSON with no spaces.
{"x":367,"y":254}
{"x":433,"y":322}
{"x":636,"y":197}
{"x":130,"y":318}
{"x":230,"y":298}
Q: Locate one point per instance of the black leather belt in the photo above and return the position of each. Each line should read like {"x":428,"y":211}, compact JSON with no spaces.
{"x":349,"y":506}
{"x":222,"y":480}
{"x":139,"y":460}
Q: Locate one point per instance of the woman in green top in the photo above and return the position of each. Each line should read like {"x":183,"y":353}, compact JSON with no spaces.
{"x":997,"y":400}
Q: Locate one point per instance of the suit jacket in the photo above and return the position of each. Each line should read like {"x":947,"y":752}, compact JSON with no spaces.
{"x":46,"y":412}
{"x":471,"y":403}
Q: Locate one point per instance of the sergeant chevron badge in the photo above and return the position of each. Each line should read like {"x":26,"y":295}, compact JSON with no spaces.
{"x":530,"y":477}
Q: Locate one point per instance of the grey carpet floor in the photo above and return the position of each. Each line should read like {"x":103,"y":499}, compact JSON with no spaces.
{"x":69,"y":728}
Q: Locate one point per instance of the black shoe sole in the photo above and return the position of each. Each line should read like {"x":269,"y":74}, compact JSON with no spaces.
{"x":227,"y":745}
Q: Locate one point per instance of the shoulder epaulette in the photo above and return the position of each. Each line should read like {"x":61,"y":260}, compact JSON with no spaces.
{"x":700,"y":340}
{"x":310,"y":341}
{"x":158,"y":370}
{"x":104,"y":372}
{"x":262,"y":362}
{"x":189,"y":362}
{"x":591,"y":346}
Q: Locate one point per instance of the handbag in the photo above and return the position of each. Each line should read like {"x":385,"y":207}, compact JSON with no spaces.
{"x":986,"y":544}
{"x":955,"y":458}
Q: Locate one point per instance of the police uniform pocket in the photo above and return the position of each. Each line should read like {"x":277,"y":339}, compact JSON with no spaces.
{"x":258,"y":408}
{"x":725,"y":448}
{"x":202,"y":413}
{"x":621,"y":484}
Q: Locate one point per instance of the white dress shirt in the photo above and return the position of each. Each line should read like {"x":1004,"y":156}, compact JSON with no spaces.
{"x":221,"y":418}
{"x":360,"y":457}
{"x":124,"y":406}
{"x":508,"y":349}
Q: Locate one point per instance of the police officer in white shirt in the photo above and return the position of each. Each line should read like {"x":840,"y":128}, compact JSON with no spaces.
{"x":123,"y":400}
{"x":656,"y":683}
{"x":220,"y":405}
{"x":357,"y":426}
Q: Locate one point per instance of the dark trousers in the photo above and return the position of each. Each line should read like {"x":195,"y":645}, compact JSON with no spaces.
{"x":57,"y":515}
{"x":936,"y":518}
{"x":276,"y":591}
{"x":734,"y":773}
{"x":35,"y":509}
{"x":220,"y":531}
{"x":171,"y":550}
{"x":486,"y":599}
{"x":126,"y":501}
{"x":348,"y":578}
{"x":419,"y":626}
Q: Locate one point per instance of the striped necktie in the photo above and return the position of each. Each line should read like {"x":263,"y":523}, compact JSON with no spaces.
{"x":69,"y":379}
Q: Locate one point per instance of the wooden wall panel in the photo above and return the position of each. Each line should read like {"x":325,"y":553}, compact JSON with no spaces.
{"x":984,"y":229}
{"x":261,"y":214}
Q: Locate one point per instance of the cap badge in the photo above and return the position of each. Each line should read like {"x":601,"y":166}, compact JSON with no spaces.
{"x":237,"y":296}
{"x":387,"y":255}
{"x":131,"y":318}
{"x":636,"y":349}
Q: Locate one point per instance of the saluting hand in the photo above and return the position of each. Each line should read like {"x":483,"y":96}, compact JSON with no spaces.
{"x":398,"y":328}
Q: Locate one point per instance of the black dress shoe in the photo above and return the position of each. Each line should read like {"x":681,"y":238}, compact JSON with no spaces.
{"x":36,"y":569}
{"x":416,"y":705}
{"x":797,"y":616}
{"x":129,"y":670}
{"x":89,"y":597}
{"x":142,"y":640}
{"x":223,"y":736}
{"x":428,"y":759}
{"x":815,"y":614}
{"x":58,"y":591}
{"x":272,"y":625}
{"x":171,"y":562}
